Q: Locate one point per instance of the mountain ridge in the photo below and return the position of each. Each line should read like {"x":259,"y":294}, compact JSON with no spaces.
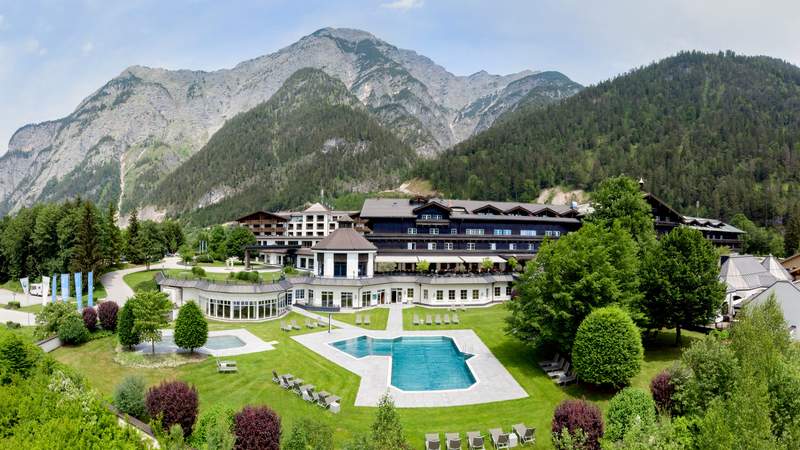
{"x":165,"y":116}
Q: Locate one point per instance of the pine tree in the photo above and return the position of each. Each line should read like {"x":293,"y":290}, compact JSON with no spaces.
{"x":191,"y":328}
{"x":791,"y":239}
{"x":86,"y":255}
{"x":113,"y":237}
{"x":127,"y":335}
{"x":133,"y":244}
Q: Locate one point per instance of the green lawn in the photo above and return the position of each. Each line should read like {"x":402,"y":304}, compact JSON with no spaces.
{"x":24,"y":332}
{"x":141,"y":281}
{"x":12,"y":285}
{"x":377,"y":317}
{"x":145,"y":280}
{"x":253,"y":382}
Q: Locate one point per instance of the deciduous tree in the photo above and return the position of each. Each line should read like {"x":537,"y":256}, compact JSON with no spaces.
{"x":150,"y":315}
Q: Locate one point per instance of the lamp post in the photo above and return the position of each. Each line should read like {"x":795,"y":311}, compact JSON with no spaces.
{"x":330,"y":317}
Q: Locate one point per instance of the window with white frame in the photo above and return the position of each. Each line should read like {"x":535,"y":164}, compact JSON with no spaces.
{"x":475,"y":294}
{"x":299,"y":294}
{"x":502,"y":232}
{"x":448,"y":245}
{"x":425,"y":294}
{"x":431,"y":217}
{"x":326,"y":299}
{"x":431,"y":245}
{"x":508,"y":290}
{"x":439,"y":294}
{"x":410,"y":293}
{"x":497,"y":291}
{"x":453,"y":231}
{"x":451,"y":294}
{"x":512,"y":246}
{"x":493,"y":246}
{"x":464,"y":294}
{"x":527,"y":232}
{"x":433,"y":231}
{"x":411,"y":246}
{"x":470,"y":246}
{"x":412,"y":230}
{"x":475,"y":231}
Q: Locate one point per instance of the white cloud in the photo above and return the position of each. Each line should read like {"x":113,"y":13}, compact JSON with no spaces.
{"x":403,"y":5}
{"x":87,"y":48}
{"x":33,"y":47}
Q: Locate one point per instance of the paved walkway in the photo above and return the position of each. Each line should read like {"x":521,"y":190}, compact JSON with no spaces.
{"x":324,"y":318}
{"x":22,"y":318}
{"x":493,"y":382}
{"x":395,"y":321}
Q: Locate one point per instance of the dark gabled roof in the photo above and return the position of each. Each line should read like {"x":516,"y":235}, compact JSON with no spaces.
{"x":345,"y":239}
{"x":431,"y":203}
{"x":398,"y":207}
{"x":258,"y":213}
{"x":487,"y":206}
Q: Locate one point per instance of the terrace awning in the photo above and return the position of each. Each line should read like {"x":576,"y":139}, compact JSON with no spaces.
{"x":441,"y":259}
{"x":396,"y":259}
{"x":479,"y":259}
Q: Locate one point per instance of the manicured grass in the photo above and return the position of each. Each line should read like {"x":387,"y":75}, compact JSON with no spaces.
{"x":23,"y":332}
{"x":142,"y":281}
{"x":377,"y":318}
{"x":99,"y":290}
{"x":12,"y":285}
{"x":252,"y":384}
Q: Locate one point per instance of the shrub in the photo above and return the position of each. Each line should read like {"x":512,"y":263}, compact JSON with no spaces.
{"x":173,"y":402}
{"x":12,"y":325}
{"x":198,"y":271}
{"x":662,"y":390}
{"x":574,"y":415}
{"x":191,"y":328}
{"x":107,"y":313}
{"x":387,"y":431}
{"x":208,"y":422}
{"x":257,"y":428}
{"x":127,"y":335}
{"x":89,"y":318}
{"x":15,"y":357}
{"x":307,"y":434}
{"x":13,"y":304}
{"x":219,"y":435}
{"x":129,"y":397}
{"x":607,"y":348}
{"x":204,"y":259}
{"x":629,"y":407}
{"x":72,"y":331}
{"x":49,"y":318}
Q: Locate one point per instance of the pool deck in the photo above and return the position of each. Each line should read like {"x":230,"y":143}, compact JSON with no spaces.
{"x":252,"y":344}
{"x":493,"y":382}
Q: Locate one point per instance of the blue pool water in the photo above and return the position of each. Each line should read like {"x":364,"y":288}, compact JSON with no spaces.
{"x":419,"y":363}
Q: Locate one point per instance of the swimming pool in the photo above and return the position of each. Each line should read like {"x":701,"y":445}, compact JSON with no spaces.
{"x":419,"y":363}
{"x":167,"y":344}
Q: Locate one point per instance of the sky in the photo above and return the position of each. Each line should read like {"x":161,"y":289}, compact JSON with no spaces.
{"x":54,"y":53}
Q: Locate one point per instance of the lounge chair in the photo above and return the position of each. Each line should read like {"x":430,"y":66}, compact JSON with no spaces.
{"x":294,"y":325}
{"x":366,"y":320}
{"x":432,"y":441}
{"x":557,"y":373}
{"x":558,"y":365}
{"x":453,"y":441}
{"x":305,"y":391}
{"x":358,"y":319}
{"x":275,"y":378}
{"x":428,"y":320}
{"x":310,"y":324}
{"x":227,"y":366}
{"x":322,"y":323}
{"x":550,"y":362}
{"x":563,"y":380}
{"x":524,"y":434}
{"x":447,"y":319}
{"x":438,"y":319}
{"x":416,"y":320}
{"x":463,"y":308}
{"x":455,"y":319}
{"x":475,"y":441}
{"x":285,"y":327}
{"x":499,"y":439}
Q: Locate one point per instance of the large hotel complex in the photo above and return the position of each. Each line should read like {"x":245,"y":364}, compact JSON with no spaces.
{"x":429,"y":251}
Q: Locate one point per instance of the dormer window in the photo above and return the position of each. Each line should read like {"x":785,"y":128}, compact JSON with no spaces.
{"x":431,"y":217}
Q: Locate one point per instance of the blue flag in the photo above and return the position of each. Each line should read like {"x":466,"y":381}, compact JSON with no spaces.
{"x":78,"y":290}
{"x":54,"y":286}
{"x":64,"y":286}
{"x":90,"y":289}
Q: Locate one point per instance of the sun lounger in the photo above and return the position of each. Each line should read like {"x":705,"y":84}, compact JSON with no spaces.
{"x":455,"y":319}
{"x":475,"y":441}
{"x":453,"y":441}
{"x":432,"y":441}
{"x":447,"y":319}
{"x":335,"y":407}
{"x":463,"y":308}
{"x":294,"y":325}
{"x":556,"y":366}
{"x":428,"y":320}
{"x":524,"y":434}
{"x":438,"y":319}
{"x":557,"y":373}
{"x":227,"y":366}
{"x":366,"y":320}
{"x":416,"y":320}
{"x":286,"y":381}
{"x":358,"y":319}
{"x":499,"y":439}
{"x":551,"y":362}
{"x":275,"y":378}
{"x":304,"y":390}
{"x":285,"y":327}
{"x":563,"y":380}
{"x":310,"y":324}
{"x":322,"y":323}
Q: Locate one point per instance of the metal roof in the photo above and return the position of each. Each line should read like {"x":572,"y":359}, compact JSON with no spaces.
{"x":345,"y":239}
{"x":403,"y":207}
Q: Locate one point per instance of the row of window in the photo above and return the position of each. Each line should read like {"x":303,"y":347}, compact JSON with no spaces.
{"x":471,"y":246}
{"x":379,"y":297}
{"x":244,"y":309}
{"x":481,"y":231}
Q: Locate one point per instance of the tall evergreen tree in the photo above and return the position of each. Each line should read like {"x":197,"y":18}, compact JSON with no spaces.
{"x":86,"y":256}
{"x":126,"y":333}
{"x":191,"y":328}
{"x":112,"y":236}
{"x":133,"y":245}
{"x":791,"y":239}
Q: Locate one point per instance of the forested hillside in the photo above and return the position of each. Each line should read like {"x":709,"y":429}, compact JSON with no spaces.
{"x":713,"y":134}
{"x":312,"y":134}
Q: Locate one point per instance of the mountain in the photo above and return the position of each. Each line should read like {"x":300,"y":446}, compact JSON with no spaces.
{"x":312,"y":134}
{"x":713,"y":134}
{"x":130,"y":134}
